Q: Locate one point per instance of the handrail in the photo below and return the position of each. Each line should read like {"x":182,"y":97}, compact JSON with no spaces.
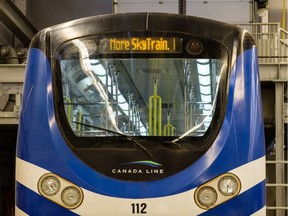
{"x":284,"y":42}
{"x":284,"y":32}
{"x":168,"y":128}
{"x":155,"y":111}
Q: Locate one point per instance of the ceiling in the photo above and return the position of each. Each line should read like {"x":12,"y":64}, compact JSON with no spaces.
{"x":44,"y":13}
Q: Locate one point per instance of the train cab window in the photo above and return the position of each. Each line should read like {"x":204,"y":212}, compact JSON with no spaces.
{"x":152,"y":87}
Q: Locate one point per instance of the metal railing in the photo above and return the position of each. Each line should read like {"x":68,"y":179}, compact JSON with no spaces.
{"x":272,"y":45}
{"x":283,"y":46}
{"x":271,"y":40}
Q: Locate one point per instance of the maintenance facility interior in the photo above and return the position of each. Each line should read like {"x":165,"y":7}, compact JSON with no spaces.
{"x":267,"y":21}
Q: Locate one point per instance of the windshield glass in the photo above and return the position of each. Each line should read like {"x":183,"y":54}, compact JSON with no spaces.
{"x":140,"y":95}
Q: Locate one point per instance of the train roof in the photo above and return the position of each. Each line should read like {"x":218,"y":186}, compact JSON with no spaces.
{"x":137,"y":22}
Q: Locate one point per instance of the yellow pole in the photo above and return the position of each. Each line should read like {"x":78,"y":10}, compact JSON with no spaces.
{"x":150,"y":116}
{"x":168,"y":128}
{"x":80,"y":115}
{"x":68,"y":109}
{"x":155,"y":108}
{"x":284,"y":15}
{"x":155,"y":111}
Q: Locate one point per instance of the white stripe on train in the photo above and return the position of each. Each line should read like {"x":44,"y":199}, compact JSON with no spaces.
{"x":179,"y":204}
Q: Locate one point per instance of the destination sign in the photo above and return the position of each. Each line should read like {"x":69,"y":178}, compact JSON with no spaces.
{"x":141,"y":45}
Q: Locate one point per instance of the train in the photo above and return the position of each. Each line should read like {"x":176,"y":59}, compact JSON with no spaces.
{"x":141,"y":114}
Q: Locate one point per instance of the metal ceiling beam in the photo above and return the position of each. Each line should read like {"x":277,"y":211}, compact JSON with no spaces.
{"x":16,"y":22}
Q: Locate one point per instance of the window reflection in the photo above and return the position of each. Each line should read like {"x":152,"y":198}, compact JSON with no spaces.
{"x":139,"y":96}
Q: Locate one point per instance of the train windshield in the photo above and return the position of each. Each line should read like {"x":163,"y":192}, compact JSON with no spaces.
{"x":153,"y":86}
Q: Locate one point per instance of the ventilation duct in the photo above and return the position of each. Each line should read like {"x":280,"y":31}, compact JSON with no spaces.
{"x":8,"y":55}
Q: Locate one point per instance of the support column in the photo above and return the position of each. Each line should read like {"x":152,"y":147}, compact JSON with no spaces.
{"x":279,"y":127}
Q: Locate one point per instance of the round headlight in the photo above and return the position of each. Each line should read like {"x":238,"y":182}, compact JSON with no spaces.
{"x":228,"y":185}
{"x":50,"y":185}
{"x":71,"y":196}
{"x":207,"y":196}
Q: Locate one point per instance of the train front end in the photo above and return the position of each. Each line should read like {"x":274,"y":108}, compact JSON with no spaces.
{"x":131,"y":114}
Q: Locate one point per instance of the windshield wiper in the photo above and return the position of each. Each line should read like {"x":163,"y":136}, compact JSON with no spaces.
{"x":120,"y":134}
{"x":173,"y":143}
{"x":188,"y":132}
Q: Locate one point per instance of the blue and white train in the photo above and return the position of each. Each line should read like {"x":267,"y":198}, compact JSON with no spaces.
{"x":141,"y":114}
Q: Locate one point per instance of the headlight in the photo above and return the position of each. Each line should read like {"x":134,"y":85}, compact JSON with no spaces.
{"x":217,"y":191}
{"x":60,"y":191}
{"x":207,"y":196}
{"x":49,"y":185}
{"x":71,"y":196}
{"x":228,"y":185}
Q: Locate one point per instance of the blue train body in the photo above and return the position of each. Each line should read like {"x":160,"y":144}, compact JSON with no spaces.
{"x":238,"y":148}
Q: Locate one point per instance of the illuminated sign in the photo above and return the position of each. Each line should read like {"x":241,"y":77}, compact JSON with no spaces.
{"x":141,"y":45}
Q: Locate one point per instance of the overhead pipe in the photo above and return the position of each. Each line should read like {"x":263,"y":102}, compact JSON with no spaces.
{"x":252,"y":10}
{"x":182,"y":7}
{"x":115,"y":6}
